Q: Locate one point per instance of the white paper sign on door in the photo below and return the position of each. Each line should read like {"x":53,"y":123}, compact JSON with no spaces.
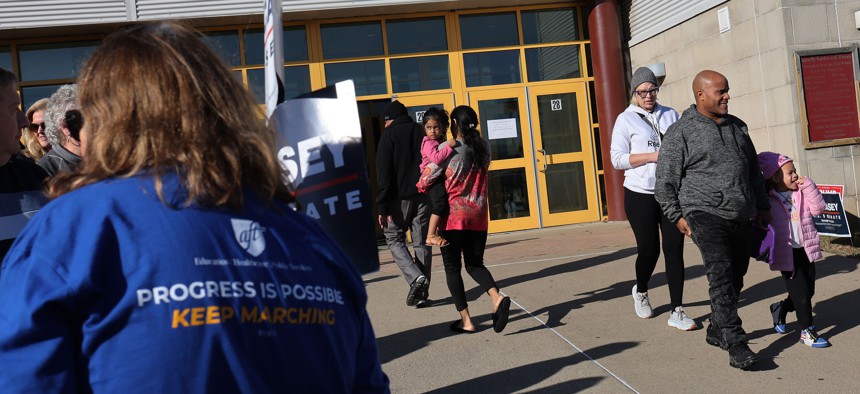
{"x":501,"y":128}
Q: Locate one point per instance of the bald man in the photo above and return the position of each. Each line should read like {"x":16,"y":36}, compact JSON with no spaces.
{"x":709,"y":184}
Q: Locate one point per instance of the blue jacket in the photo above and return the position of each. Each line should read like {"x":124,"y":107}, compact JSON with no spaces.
{"x":108,"y":289}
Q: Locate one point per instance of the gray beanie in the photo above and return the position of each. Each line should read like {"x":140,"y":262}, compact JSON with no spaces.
{"x":640,"y":76}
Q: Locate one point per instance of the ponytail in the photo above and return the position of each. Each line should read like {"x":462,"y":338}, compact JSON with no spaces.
{"x":464,"y":123}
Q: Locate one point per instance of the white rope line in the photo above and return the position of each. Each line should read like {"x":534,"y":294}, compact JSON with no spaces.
{"x":569,"y":342}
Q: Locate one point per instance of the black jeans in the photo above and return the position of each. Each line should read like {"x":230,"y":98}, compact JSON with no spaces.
{"x":471,"y":245}
{"x":724,"y":247}
{"x":648,"y":223}
{"x":801,"y":287}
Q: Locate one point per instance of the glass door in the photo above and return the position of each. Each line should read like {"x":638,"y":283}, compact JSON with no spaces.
{"x":512,"y":195}
{"x":417,"y":104}
{"x":563,"y":154}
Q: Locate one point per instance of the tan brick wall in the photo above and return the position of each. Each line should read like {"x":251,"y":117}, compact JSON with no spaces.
{"x":757,"y":57}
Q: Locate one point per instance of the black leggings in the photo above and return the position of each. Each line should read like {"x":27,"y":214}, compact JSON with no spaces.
{"x":471,"y":245}
{"x":647,"y":221}
{"x":801,"y":287}
{"x":438,"y":198}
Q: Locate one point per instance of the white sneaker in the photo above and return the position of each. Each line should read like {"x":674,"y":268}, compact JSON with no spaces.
{"x":680,"y":320}
{"x":641,"y":304}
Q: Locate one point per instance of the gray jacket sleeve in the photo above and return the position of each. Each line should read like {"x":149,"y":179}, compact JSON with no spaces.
{"x":670,"y":170}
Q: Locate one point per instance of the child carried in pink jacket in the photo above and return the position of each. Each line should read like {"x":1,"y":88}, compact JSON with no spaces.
{"x":434,"y":153}
{"x":793,"y":200}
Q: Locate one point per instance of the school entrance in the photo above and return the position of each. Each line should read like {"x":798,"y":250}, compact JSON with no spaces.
{"x":543,"y":166}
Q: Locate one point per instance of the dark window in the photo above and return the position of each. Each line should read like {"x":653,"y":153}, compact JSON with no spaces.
{"x":588,"y":60}
{"x":297,"y":81}
{"x":420,"y":73}
{"x":5,"y":58}
{"x":351,"y":40}
{"x":551,"y":63}
{"x":31,"y":94}
{"x":488,"y":30}
{"x":368,"y":76}
{"x":416,"y":35}
{"x":295,"y":45}
{"x":546,"y":26}
{"x":508,"y":195}
{"x":53,"y":61}
{"x":492,"y":68}
{"x":226,"y":45}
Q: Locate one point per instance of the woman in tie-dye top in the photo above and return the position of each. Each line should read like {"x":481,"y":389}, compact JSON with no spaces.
{"x":465,"y":227}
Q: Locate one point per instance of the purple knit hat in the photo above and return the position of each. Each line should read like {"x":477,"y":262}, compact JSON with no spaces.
{"x":770,"y":163}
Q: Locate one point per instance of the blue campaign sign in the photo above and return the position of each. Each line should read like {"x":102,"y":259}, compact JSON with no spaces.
{"x":322,"y":151}
{"x":832,"y":221}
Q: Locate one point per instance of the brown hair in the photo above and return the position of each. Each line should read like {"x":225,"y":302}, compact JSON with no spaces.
{"x":32,"y":147}
{"x":156,"y":98}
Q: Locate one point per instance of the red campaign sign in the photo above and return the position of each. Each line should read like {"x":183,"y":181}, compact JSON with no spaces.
{"x":831,"y":99}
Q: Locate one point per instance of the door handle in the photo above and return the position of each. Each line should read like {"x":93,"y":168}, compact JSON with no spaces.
{"x":543,"y":152}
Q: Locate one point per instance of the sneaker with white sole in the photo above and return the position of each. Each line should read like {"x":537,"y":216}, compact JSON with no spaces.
{"x":778,"y":317}
{"x":680,"y":320}
{"x":641,"y":304}
{"x":809,"y":337}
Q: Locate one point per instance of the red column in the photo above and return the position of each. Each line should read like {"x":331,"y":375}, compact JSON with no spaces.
{"x":604,"y":28}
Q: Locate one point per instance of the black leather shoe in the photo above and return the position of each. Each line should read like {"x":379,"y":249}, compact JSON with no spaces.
{"x":740,"y":356}
{"x":418,"y":288}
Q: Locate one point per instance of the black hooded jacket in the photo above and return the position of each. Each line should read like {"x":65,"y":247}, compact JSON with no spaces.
{"x":397,"y":161}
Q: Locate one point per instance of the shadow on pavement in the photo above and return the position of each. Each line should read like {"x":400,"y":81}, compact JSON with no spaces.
{"x":496,"y":245}
{"x":572,"y":266}
{"x":519,"y":378}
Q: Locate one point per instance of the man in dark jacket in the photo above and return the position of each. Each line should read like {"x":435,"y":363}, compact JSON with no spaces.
{"x":398,"y":202}
{"x":20,"y":178}
{"x":709,"y":184}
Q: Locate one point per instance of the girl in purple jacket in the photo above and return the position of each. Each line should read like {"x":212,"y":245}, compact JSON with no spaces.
{"x":796,"y":243}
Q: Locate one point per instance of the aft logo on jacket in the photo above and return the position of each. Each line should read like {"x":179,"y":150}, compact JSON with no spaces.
{"x":249,"y":235}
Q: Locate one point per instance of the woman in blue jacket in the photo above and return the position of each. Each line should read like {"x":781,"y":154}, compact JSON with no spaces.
{"x":170,"y":261}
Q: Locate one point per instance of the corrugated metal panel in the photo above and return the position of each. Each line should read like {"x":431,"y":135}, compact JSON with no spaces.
{"x":647,"y":18}
{"x":170,"y":9}
{"x":161,"y":9}
{"x":43,"y":13}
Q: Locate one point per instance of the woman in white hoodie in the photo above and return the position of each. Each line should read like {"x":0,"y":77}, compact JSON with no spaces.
{"x":635,"y":145}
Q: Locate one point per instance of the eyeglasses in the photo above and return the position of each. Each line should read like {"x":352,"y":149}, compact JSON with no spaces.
{"x":35,"y":127}
{"x":645,"y":93}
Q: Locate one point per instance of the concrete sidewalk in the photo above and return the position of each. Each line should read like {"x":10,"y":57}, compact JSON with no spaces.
{"x":572,"y":325}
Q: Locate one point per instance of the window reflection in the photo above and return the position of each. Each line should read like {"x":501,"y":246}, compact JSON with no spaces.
{"x":226,"y":45}
{"x":507,"y":193}
{"x":416,"y":35}
{"x":558,"y":116}
{"x":368,"y":76}
{"x":492,"y":68}
{"x":544,"y":26}
{"x":295,"y":44}
{"x":420,"y":73}
{"x":497,"y":114}
{"x":351,"y":40}
{"x":53,"y":61}
{"x":297,"y":81}
{"x":547,"y":64}
{"x":488,"y":30}
{"x":565,"y":186}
